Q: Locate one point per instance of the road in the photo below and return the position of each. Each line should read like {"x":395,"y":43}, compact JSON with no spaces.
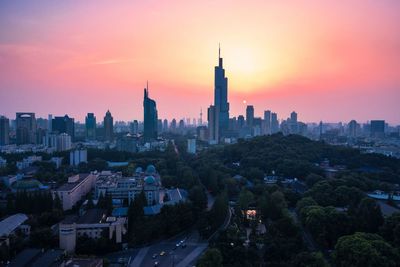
{"x":174,"y":256}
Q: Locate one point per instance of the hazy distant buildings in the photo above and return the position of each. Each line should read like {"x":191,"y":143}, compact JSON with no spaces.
{"x":165,"y":125}
{"x":4,"y":131}
{"x":377,"y":128}
{"x":25,"y":128}
{"x":108,"y":127}
{"x":353,"y":129}
{"x":90,"y":125}
{"x":150,"y":117}
{"x":213,"y":125}
{"x":274,"y":123}
{"x":64,"y":125}
{"x":221,"y":97}
{"x":267,"y":120}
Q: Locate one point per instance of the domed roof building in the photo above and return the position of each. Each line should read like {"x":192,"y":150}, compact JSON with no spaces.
{"x":150,"y":169}
{"x":138,"y":170}
{"x":150,"y":180}
{"x":27,"y":184}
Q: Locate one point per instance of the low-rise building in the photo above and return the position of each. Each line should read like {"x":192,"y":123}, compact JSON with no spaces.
{"x":27,"y":162}
{"x":93,"y":224}
{"x":11,"y":224}
{"x":124,"y":189}
{"x":76,"y":187}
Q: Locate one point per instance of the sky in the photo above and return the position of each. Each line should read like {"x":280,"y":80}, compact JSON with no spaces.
{"x":325,"y":59}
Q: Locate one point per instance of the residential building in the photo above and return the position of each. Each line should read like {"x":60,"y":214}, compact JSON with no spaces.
{"x":77,"y":156}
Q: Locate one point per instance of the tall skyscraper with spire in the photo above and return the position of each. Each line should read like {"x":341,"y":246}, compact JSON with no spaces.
{"x":221,"y":96}
{"x":150,"y":117}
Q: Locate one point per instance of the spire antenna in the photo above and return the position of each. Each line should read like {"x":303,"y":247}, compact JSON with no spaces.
{"x":219,"y":50}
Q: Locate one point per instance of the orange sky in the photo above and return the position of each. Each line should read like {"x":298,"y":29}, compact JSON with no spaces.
{"x":328,"y":60}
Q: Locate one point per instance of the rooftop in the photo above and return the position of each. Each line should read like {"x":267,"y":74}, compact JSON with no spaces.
{"x":91,"y":216}
{"x":71,"y":185}
{"x":10,"y":223}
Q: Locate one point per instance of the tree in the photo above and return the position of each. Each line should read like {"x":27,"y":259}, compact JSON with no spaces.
{"x":369,"y":216}
{"x":198,"y":198}
{"x":307,"y":259}
{"x":390,"y":230}
{"x":245,"y":198}
{"x":364,"y":250}
{"x":212,"y":258}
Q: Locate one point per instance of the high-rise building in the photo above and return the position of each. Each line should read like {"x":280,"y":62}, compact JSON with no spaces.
{"x":109,"y":127}
{"x":221,"y":96}
{"x":150,"y":117}
{"x":63,"y":142}
{"x":267,"y":120}
{"x":377,"y":128}
{"x":191,"y":146}
{"x":240,"y":121}
{"x":26,"y":128}
{"x":135,"y":127}
{"x":4,"y":131}
{"x":173,"y":125}
{"x":64,"y":125}
{"x":249,"y":116}
{"x":165,"y":125}
{"x":293,"y":125}
{"x":213,"y":124}
{"x":159,"y":126}
{"x":50,"y":123}
{"x":353,"y":128}
{"x":90,"y":125}
{"x":77,"y":156}
{"x":274,"y":123}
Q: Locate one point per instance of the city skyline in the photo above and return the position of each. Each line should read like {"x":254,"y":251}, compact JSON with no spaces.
{"x":315,"y":58}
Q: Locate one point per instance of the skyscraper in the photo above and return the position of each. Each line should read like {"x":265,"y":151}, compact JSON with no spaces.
{"x":274,"y":123}
{"x":378,"y":128}
{"x":90,"y":125}
{"x":64,"y":125}
{"x":353,"y":125}
{"x":267,"y":119}
{"x":221,"y":96}
{"x":165,"y":125}
{"x":26,"y":128}
{"x":108,"y":127}
{"x":213,"y":124}
{"x":4,"y":131}
{"x":150,"y":117}
{"x":249,"y":116}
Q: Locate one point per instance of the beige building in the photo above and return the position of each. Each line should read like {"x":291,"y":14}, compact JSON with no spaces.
{"x":76,"y":187}
{"x":93,"y":224}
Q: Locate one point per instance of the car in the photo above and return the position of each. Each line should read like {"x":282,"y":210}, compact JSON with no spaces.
{"x":162,"y":253}
{"x":154,"y":255}
{"x":156,"y":263}
{"x":178,"y":244}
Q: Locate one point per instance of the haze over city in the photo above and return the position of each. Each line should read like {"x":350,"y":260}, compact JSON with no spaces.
{"x":327,"y":60}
